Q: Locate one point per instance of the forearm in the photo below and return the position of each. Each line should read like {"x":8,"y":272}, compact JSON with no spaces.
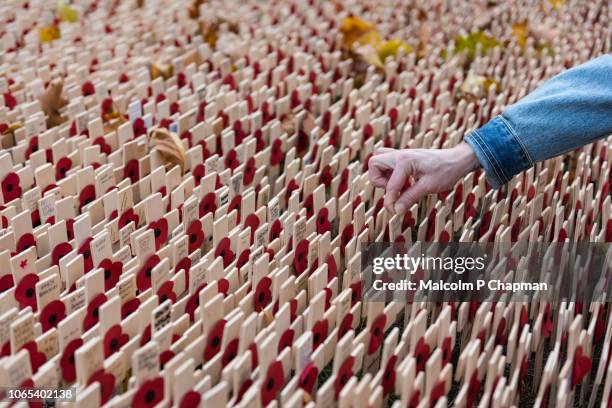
{"x":568,"y":111}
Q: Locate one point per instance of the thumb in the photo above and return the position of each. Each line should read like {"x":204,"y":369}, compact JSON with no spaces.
{"x":412,"y":195}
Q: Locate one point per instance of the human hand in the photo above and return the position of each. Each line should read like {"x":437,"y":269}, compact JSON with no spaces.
{"x":433,"y":171}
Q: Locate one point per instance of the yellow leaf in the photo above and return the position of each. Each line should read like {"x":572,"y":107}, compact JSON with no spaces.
{"x":520,"y":31}
{"x":158,"y":70}
{"x":48,"y":34}
{"x":67,"y":13}
{"x":556,"y":4}
{"x":357,"y":30}
{"x":391,"y":48}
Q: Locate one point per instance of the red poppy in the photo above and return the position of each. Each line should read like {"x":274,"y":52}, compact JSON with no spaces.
{"x":319,"y":333}
{"x":25,"y":242}
{"x":186,"y":135}
{"x":53,"y":313}
{"x":291,"y":187}
{"x":129,"y":307}
{"x":345,"y":326}
{"x":60,"y":251}
{"x":61,"y":167}
{"x":421,"y":354}
{"x":164,"y":357}
{"x":37,"y":358}
{"x":85,"y":250}
{"x":9,"y":100}
{"x":145,"y":337}
{"x":473,"y":389}
{"x":286,"y":339}
{"x":231,"y":160}
{"x":25,"y":292}
{"x":235,"y":204}
{"x":300,"y":257}
{"x":345,"y":372}
{"x":263,"y":294}
{"x":143,"y":277}
{"x":208,"y":204}
{"x":276,"y":153}
{"x":276,"y":229}
{"x":447,"y":351}
{"x":87,"y":195}
{"x":196,"y":235}
{"x":160,"y":230}
{"x":32,"y":147}
{"x":343,"y":186}
{"x":213,"y":344}
{"x":243,"y":258}
{"x":581,"y":366}
{"x":10,"y":187}
{"x":356,"y":289}
{"x":112,"y":272}
{"x":131,"y":170}
{"x":249,"y":171}
{"x":185,"y":265}
{"x":252,"y":221}
{"x":166,"y":292}
{"x":139,"y":127}
{"x":323,"y":224}
{"x":326,"y":176}
{"x":190,"y":399}
{"x":35,"y":217}
{"x":88,"y":89}
{"x":106,"y":107}
{"x":104,"y":147}
{"x":377,"y":331}
{"x":198,"y":173}
{"x":388,"y":379}
{"x":93,"y":311}
{"x":6,"y":282}
{"x":128,"y":216}
{"x":347,"y":234}
{"x":260,"y":143}
{"x":114,"y":339}
{"x":107,"y":384}
{"x":308,"y":377}
{"x":437,"y":392}
{"x":149,"y":394}
{"x":272,"y":383}
{"x":67,"y":361}
{"x":193,"y":302}
{"x":231,"y":351}
{"x":254,"y":355}
{"x":224,"y":251}
{"x":223,"y":287}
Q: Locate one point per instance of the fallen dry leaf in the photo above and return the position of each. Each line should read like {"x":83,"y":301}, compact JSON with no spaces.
{"x":356,"y":30}
{"x":160,"y":70}
{"x":51,"y":102}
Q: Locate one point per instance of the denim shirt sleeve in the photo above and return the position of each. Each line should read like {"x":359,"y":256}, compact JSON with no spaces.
{"x":570,"y":110}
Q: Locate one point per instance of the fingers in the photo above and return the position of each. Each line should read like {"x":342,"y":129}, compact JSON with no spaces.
{"x":419,"y":190}
{"x":384,"y":150}
{"x":380,"y":168}
{"x":396,"y":183}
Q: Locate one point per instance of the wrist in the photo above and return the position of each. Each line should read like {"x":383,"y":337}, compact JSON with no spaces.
{"x":465,"y":157}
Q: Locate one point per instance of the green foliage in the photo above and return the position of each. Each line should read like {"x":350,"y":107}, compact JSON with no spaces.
{"x":469,"y":43}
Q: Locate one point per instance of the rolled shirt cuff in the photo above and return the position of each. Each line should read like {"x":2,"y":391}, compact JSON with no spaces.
{"x":499,"y":150}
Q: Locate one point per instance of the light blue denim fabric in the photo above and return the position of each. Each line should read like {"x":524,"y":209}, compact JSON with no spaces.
{"x":570,"y":110}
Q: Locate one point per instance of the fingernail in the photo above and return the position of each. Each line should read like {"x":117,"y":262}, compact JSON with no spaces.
{"x":400,"y":208}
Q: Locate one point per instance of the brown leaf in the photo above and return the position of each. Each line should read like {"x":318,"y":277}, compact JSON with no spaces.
{"x":51,"y":102}
{"x":160,"y":70}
